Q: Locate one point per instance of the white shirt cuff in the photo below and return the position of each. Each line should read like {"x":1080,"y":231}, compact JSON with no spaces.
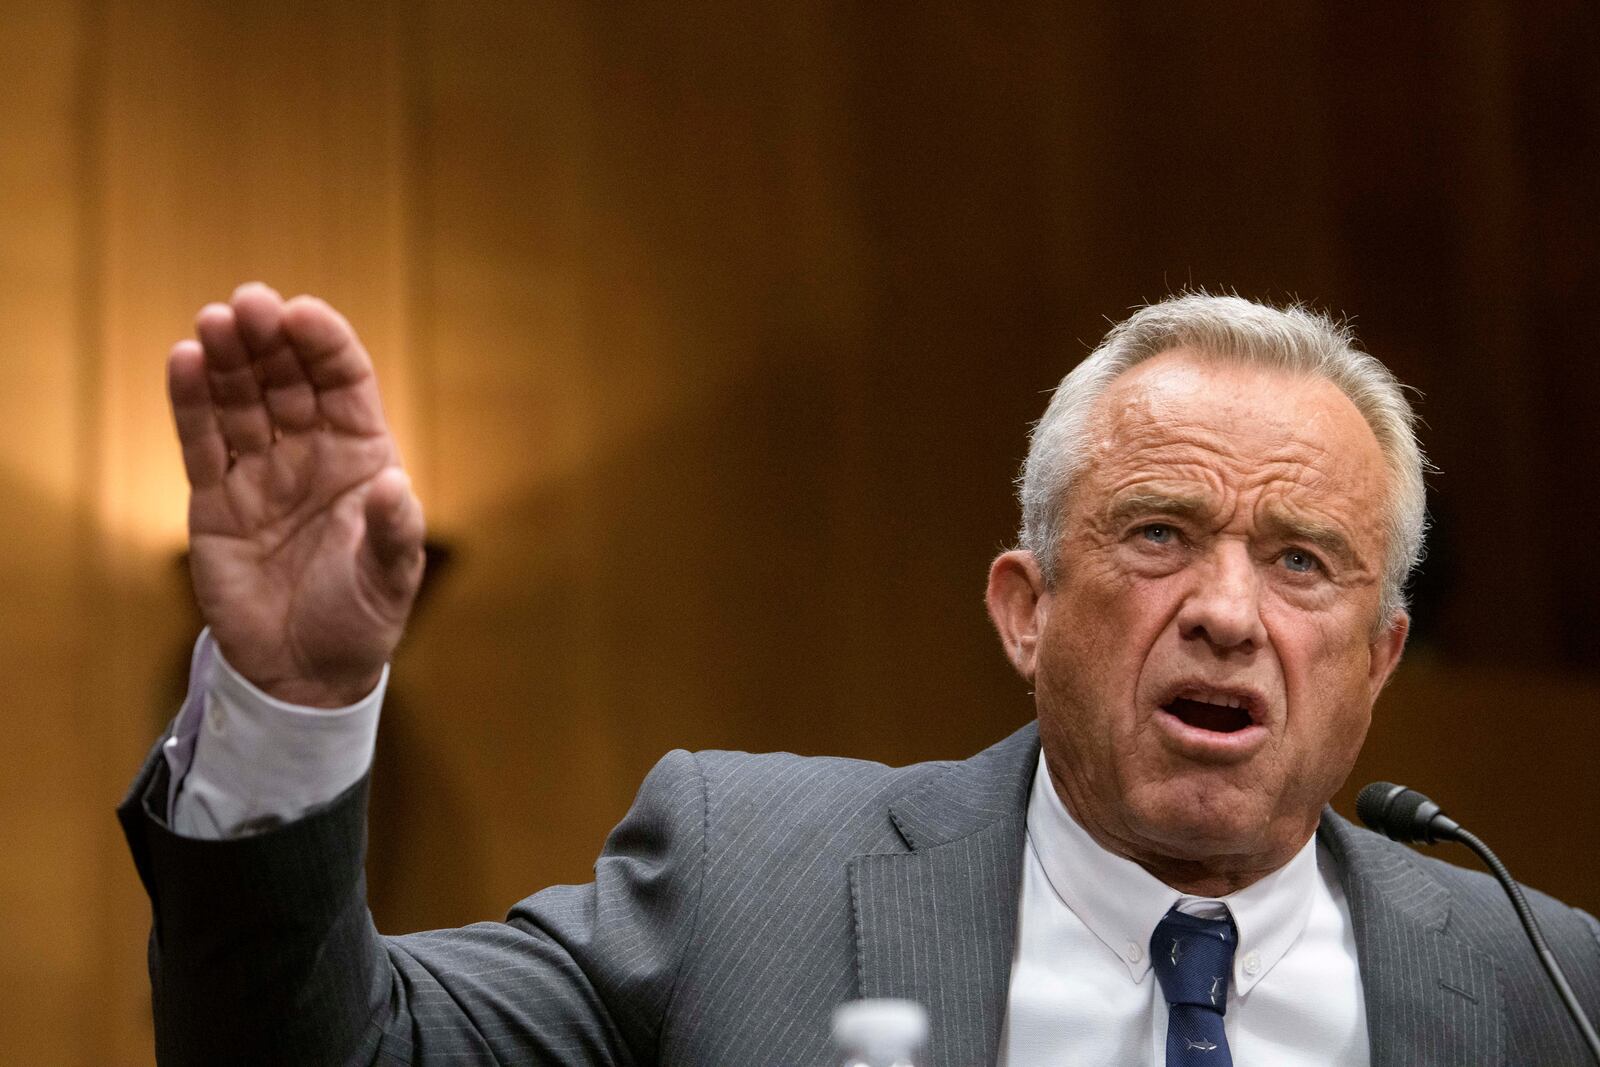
{"x":242,"y":761}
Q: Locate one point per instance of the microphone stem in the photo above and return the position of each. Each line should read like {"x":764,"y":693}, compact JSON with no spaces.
{"x":1535,"y":935}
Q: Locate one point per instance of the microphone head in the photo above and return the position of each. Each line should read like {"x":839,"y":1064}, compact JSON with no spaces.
{"x":1402,"y":814}
{"x":1372,"y":803}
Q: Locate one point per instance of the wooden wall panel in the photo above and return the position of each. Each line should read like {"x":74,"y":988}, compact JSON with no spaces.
{"x":240,"y":143}
{"x":1508,"y":753}
{"x":151,"y":156}
{"x":48,"y":828}
{"x":633,"y":301}
{"x":233,"y":142}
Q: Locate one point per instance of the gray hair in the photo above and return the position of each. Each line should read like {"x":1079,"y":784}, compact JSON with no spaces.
{"x":1295,"y":339}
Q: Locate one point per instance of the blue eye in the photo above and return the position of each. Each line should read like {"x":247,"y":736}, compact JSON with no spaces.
{"x":1159,"y":534}
{"x":1301,"y":561}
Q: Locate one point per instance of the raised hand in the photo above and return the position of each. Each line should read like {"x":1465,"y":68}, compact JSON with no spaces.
{"x":305,"y":538}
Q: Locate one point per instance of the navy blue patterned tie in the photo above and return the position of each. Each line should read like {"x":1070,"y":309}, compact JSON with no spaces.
{"x":1193,"y":959}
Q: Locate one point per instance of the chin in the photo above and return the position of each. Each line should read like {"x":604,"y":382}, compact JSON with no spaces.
{"x":1184,"y":826}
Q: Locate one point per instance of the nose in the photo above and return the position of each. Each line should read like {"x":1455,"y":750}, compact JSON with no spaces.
{"x":1224,"y":606}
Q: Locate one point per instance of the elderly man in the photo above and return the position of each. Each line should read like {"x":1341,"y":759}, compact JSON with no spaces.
{"x":1220,"y":509}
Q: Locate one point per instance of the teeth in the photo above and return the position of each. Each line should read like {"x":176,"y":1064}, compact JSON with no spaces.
{"x":1222,"y":699}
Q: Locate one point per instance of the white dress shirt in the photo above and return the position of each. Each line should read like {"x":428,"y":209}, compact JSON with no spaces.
{"x":241,"y":761}
{"x":1081,"y":992}
{"x":1082,"y":989}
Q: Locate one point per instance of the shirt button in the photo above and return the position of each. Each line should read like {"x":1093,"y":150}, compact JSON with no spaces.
{"x":1135,"y":953}
{"x":214,"y":720}
{"x":1252,"y":962}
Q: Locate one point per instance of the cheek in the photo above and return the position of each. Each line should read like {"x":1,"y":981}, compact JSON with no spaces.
{"x":1104,"y":606}
{"x":1103,"y":627}
{"x":1344,"y":655}
{"x":1325,"y":672}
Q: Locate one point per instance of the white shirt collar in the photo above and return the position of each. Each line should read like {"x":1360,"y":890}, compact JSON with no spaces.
{"x":1121,"y":902}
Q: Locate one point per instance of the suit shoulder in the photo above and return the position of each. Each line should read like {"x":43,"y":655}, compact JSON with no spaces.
{"x":1479,"y":911}
{"x":1481,"y":901}
{"x":736,"y":769}
{"x":782,"y":802}
{"x":805,"y":786}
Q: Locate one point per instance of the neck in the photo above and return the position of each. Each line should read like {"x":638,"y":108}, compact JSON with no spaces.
{"x":1215,"y":874}
{"x":1196,"y":879}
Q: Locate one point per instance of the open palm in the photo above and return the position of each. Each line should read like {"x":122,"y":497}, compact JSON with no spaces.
{"x":305,"y":537}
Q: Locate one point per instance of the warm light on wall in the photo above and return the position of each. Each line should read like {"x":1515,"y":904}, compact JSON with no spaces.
{"x":149,"y":515}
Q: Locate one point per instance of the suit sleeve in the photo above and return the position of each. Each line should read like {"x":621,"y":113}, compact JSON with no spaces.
{"x":262,"y":950}
{"x":1593,"y":955}
{"x":1594,"y":926}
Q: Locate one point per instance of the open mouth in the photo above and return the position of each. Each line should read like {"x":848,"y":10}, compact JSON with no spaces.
{"x":1223,"y":715}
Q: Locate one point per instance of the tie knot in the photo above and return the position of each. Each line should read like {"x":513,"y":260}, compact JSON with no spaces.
{"x":1193,"y":959}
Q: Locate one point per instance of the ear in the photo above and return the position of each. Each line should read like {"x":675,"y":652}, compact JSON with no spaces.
{"x":1018,"y":605}
{"x":1384,"y":655}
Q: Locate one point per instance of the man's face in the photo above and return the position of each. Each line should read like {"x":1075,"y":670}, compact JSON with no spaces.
{"x":1206,"y":664}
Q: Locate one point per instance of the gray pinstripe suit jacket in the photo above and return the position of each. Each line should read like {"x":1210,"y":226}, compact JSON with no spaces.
{"x":742,"y":898}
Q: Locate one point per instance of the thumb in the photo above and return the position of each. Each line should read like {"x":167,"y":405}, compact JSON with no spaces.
{"x":395,"y":527}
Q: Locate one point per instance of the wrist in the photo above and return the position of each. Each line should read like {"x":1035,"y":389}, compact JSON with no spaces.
{"x":308,"y":693}
{"x":295,"y":691}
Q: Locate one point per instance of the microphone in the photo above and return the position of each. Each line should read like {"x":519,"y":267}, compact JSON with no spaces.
{"x":1406,"y":815}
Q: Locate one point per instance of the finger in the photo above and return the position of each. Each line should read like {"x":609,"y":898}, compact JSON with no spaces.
{"x":205,"y":452}
{"x":339,"y":369}
{"x":291,"y":402}
{"x":259,"y":311}
{"x":231,"y":377}
{"x":395,"y":528}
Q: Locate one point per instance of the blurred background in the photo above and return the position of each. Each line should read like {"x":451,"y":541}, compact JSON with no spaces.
{"x":712,"y":332}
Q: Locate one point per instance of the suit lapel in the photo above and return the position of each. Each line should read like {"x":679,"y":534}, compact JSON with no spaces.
{"x":937,"y":924}
{"x":1430,"y":997}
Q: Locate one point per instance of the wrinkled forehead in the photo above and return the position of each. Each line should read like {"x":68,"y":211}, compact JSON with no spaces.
{"x":1245,"y":422}
{"x":1185,"y":383}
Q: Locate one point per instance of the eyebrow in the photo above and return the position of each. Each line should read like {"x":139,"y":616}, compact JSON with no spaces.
{"x":1325,"y":537}
{"x":1320,"y":535}
{"x":1134,"y":505}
